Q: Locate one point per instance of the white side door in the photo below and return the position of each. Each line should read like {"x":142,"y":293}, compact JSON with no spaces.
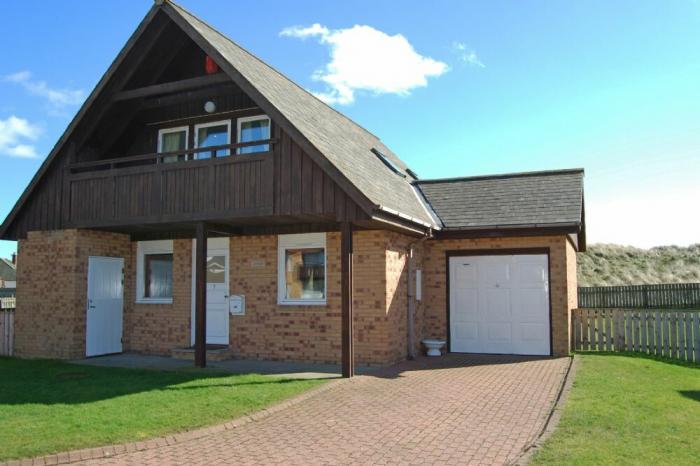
{"x":217,"y":290}
{"x":499,"y":304}
{"x":105,"y":306}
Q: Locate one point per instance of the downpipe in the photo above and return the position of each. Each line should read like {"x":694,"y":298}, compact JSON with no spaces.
{"x":411,"y":308}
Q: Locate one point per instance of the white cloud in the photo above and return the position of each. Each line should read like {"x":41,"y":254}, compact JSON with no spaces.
{"x":58,"y":99}
{"x":15,"y":135}
{"x":366,"y":59}
{"x":467,"y":55}
{"x":304,"y":32}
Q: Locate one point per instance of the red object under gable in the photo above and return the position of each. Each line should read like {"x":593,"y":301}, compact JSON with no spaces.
{"x":210,"y":65}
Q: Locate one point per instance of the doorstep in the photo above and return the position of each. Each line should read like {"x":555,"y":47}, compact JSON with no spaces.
{"x":214,"y":353}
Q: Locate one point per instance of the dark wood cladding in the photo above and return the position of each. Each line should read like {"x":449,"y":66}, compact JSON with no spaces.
{"x":302,"y":187}
{"x":160,"y":83}
{"x":284,"y":183}
{"x":226,"y":187}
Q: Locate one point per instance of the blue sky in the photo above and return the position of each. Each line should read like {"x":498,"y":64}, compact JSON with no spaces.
{"x":456,"y":88}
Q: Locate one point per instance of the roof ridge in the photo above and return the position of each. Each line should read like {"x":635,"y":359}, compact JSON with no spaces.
{"x":502,"y":176}
{"x":341,"y":114}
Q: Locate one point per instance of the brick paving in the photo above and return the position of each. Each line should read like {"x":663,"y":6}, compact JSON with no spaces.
{"x":459,"y":409}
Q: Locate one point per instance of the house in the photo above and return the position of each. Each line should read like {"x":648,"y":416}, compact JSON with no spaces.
{"x":201,"y":199}
{"x":8,"y":273}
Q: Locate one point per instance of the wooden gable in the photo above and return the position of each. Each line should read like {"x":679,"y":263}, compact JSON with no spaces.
{"x":92,"y":180}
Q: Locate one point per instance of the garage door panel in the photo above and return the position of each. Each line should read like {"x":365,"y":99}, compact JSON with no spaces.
{"x":499,"y":332}
{"x":533,"y":332}
{"x":531,"y":305}
{"x":466,"y":331}
{"x":465,"y":275}
{"x":465,"y":304}
{"x":532,"y":276}
{"x":500,"y":304}
{"x":495,"y":303}
{"x":492,"y":273}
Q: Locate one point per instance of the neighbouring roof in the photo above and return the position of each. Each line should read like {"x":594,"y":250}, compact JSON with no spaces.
{"x":527,"y":200}
{"x":345,"y":144}
{"x":8,"y":271}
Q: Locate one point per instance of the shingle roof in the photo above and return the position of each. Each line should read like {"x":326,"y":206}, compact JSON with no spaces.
{"x":532,"y":199}
{"x":8,"y":271}
{"x":343,"y":142}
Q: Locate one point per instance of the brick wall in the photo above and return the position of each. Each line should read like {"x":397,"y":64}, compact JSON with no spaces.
{"x":562,"y":281}
{"x":312,"y":333}
{"x":52,"y":292}
{"x":571,"y":283}
{"x":160,"y":328}
{"x":52,"y":289}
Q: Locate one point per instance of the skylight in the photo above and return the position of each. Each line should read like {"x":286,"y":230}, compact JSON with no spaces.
{"x":387,"y":161}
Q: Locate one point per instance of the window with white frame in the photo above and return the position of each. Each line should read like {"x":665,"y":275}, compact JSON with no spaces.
{"x":216,"y":133}
{"x":154,"y":272}
{"x":302,"y":269}
{"x":173,"y":140}
{"x":251,"y":129}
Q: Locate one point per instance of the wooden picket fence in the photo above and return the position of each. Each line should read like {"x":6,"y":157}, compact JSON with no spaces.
{"x":671,"y":334}
{"x":7,"y":330}
{"x":661,"y":296}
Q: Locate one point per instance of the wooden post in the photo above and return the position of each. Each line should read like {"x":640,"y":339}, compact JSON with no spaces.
{"x":346,"y":299}
{"x":200,"y":298}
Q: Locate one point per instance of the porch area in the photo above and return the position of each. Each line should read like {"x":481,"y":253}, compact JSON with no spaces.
{"x":361,"y":320}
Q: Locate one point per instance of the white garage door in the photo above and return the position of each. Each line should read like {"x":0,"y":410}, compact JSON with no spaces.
{"x":499,"y":304}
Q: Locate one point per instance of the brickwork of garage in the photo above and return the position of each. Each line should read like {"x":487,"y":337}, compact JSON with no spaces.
{"x":562,"y":262}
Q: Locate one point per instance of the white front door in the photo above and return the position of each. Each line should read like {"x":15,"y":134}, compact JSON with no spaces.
{"x":217,"y":290}
{"x":500,"y":304}
{"x":105,"y":306}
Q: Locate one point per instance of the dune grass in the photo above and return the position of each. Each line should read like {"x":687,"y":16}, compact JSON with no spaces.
{"x":612,"y":264}
{"x":49,"y":406}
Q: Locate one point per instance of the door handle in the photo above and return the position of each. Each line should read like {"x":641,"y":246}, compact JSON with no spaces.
{"x":90,"y":305}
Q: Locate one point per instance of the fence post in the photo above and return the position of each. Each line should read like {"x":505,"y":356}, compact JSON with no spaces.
{"x":696,"y":336}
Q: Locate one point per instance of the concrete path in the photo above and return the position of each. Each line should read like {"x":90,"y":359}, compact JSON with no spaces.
{"x":233,"y":366}
{"x":459,"y":409}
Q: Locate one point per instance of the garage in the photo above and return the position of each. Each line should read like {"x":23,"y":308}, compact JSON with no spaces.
{"x":499,"y":304}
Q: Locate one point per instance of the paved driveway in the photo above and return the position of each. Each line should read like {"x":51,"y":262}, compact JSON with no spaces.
{"x":459,"y":409}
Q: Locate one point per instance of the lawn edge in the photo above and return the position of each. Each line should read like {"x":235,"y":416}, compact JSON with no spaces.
{"x":552,"y":422}
{"x":111,"y":451}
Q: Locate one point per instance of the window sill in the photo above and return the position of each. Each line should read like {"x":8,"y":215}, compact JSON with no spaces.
{"x":302,"y":303}
{"x":154,"y":301}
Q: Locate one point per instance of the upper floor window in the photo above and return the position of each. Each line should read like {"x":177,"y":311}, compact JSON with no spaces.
{"x":250,"y":129}
{"x":173,"y":140}
{"x":217,"y":133}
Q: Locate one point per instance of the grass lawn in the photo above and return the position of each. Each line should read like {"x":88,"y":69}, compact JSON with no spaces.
{"x":49,"y":406}
{"x":628,"y":409}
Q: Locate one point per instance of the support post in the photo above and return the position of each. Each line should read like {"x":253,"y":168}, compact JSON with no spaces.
{"x":200,"y":297}
{"x":348,"y":352}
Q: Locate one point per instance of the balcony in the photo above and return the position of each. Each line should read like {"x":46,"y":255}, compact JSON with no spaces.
{"x":172,"y":187}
